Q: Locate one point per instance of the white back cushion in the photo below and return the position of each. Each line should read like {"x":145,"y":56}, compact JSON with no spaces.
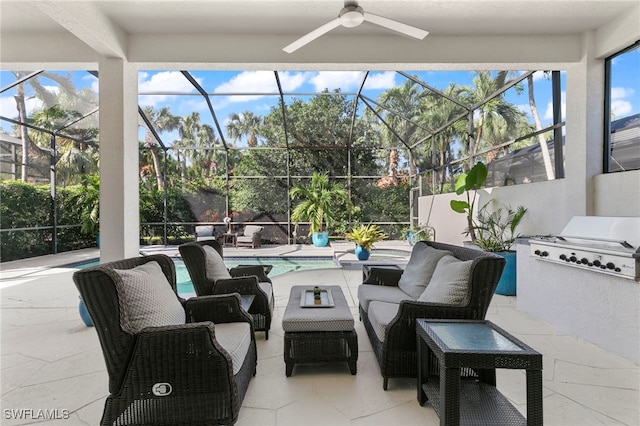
{"x":418,"y":272}
{"x":215,"y":269}
{"x":148,"y":297}
{"x":249,"y":230}
{"x":450,"y":282}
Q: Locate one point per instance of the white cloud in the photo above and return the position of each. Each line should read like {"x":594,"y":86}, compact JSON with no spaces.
{"x":621,"y":92}
{"x":345,"y":80}
{"x":8,"y":107}
{"x":548,"y":114}
{"x":165,"y":81}
{"x":381,"y":80}
{"x":249,"y":82}
{"x":291,"y":81}
{"x":621,"y":108}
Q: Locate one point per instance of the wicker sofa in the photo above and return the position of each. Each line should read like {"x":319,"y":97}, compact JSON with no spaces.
{"x":440,"y":281}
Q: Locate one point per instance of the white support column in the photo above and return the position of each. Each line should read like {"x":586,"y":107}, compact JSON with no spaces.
{"x":584,"y":130}
{"x":119,"y":195}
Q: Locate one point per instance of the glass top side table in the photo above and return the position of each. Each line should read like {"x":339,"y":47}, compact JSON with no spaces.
{"x":482,"y":346}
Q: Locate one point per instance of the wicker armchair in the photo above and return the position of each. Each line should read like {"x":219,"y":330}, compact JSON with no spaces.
{"x":397,"y":354}
{"x":245,"y":280}
{"x":250,"y":236}
{"x":174,"y":374}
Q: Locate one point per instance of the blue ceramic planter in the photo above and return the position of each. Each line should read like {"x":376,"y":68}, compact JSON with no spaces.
{"x":84,"y":314}
{"x":507,"y":284}
{"x":320,"y":239}
{"x":361,"y":253}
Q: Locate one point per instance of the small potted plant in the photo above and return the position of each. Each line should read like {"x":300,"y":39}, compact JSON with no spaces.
{"x":365,"y":236}
{"x":496,"y":233}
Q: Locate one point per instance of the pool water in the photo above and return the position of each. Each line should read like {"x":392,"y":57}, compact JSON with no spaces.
{"x":280,"y":266}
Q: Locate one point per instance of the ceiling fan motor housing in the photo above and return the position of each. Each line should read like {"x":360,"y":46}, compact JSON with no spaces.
{"x":351,"y":16}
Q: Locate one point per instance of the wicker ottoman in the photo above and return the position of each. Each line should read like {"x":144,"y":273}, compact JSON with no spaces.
{"x":319,"y":334}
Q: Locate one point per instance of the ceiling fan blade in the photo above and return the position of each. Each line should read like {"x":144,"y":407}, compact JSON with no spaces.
{"x":308,"y":38}
{"x":396,"y":26}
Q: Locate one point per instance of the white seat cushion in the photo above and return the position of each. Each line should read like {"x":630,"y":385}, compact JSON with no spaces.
{"x":418,"y":272}
{"x":267,"y":288}
{"x":147,"y":297}
{"x":235,"y":338}
{"x":380,"y":315}
{"x":215,"y":269}
{"x":450,"y":282}
{"x":370,"y":292}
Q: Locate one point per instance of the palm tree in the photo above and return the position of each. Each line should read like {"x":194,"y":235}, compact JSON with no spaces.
{"x":541,"y":140}
{"x":319,"y":200}
{"x":245,"y":124}
{"x":48,"y":98}
{"x":199,"y":138}
{"x":406,"y":102}
{"x":440,"y":111}
{"x":493,"y":115}
{"x":162,"y":120}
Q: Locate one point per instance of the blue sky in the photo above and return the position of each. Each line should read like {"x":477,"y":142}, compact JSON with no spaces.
{"x":258,"y":89}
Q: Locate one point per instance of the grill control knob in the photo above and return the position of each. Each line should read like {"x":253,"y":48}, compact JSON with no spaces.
{"x":545,"y":254}
{"x":537,"y":252}
{"x":584,"y":260}
{"x":596,"y":263}
{"x":563,"y":257}
{"x":618,"y":270}
{"x":573,"y":258}
{"x":610,"y":265}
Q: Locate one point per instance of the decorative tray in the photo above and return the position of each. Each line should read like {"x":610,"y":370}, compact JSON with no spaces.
{"x":307,"y":301}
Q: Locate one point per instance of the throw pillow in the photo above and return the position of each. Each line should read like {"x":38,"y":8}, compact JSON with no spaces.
{"x":148,"y":297}
{"x":215,"y":269}
{"x":450,"y":282}
{"x":419,"y":269}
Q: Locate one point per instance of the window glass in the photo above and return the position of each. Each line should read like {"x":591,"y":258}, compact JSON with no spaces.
{"x":622,"y":134}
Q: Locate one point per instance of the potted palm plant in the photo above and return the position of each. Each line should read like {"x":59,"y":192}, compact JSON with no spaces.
{"x":318,"y":202}
{"x":365,"y":236}
{"x":496,"y":233}
{"x":469,"y":183}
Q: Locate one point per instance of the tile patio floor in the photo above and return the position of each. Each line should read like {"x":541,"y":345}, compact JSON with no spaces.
{"x":50,"y":360}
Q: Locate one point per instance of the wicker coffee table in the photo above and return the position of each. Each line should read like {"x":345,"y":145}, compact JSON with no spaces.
{"x":315,"y":334}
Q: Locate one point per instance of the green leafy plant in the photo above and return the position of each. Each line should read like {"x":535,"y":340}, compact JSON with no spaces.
{"x":469,"y":183}
{"x":366,"y":235}
{"x":319,"y":200}
{"x":88,"y":201}
{"x":496,"y":230}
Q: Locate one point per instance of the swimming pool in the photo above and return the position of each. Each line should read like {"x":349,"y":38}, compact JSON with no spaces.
{"x":281,"y":266}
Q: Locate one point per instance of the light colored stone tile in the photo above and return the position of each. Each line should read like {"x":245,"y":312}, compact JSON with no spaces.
{"x":409,"y":413}
{"x":620,"y":405}
{"x":256,"y":417}
{"x":561,"y":411}
{"x":311,"y":410}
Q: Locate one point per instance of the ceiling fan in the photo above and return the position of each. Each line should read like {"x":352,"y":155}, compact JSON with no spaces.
{"x":351,"y":16}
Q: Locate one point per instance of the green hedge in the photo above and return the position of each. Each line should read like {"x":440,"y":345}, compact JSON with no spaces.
{"x":24,"y":205}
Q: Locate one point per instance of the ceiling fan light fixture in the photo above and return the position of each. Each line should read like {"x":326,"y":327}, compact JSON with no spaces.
{"x":351,"y":17}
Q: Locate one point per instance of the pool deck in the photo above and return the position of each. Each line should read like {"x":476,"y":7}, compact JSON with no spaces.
{"x":50,"y":360}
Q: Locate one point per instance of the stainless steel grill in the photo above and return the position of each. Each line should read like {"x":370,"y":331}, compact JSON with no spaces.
{"x":609,"y":245}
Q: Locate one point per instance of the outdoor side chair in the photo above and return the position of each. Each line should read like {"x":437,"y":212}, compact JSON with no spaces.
{"x":170,"y":361}
{"x":246,"y":280}
{"x":250,"y":236}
